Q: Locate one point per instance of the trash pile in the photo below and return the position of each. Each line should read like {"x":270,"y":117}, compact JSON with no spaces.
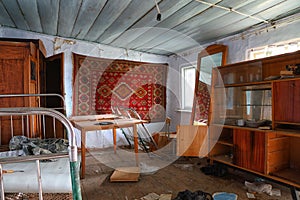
{"x":197,"y":195}
{"x":261,"y":187}
{"x":154,"y":196}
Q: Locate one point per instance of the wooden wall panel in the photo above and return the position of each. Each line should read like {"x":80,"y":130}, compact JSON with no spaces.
{"x":192,"y":140}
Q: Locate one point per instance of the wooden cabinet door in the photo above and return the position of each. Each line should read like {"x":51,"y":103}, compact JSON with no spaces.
{"x":241,"y":142}
{"x":14,"y":61}
{"x":192,"y":140}
{"x":286,"y":101}
{"x":249,"y":149}
{"x":283,"y":101}
{"x":296,"y":101}
{"x":19,"y":75}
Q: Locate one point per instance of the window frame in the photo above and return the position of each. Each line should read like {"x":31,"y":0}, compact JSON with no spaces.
{"x":273,"y":49}
{"x":185,"y":84}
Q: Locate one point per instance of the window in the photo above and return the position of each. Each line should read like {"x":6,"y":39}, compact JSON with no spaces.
{"x":274,"y":49}
{"x":188,"y":76}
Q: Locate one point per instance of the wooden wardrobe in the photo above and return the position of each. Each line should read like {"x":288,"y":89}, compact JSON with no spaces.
{"x":20,"y":63}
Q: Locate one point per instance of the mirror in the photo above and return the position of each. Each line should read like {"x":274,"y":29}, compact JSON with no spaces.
{"x":212,"y":56}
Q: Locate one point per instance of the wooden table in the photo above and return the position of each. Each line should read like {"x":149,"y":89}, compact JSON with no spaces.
{"x":91,"y":123}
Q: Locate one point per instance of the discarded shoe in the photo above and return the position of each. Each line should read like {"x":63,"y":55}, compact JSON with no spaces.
{"x":198,"y":195}
{"x":215,"y":169}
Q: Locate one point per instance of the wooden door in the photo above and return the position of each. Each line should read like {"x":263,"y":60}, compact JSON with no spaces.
{"x":249,"y":149}
{"x":14,"y":79}
{"x":14,"y":76}
{"x":52,"y":79}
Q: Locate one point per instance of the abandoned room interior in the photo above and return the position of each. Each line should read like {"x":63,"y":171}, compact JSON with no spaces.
{"x":150,"y":99}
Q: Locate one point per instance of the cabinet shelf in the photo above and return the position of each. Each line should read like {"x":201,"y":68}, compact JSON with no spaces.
{"x":253,"y":105}
{"x":288,"y":174}
{"x":287,"y":123}
{"x":288,"y":132}
{"x":243,"y":84}
{"x":245,"y":105}
{"x":226,"y":142}
{"x":240,"y":127}
{"x":288,"y":127}
{"x":256,"y":83}
{"x":224,"y":158}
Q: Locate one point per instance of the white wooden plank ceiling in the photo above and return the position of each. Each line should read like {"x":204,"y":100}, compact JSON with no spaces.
{"x":133,"y":24}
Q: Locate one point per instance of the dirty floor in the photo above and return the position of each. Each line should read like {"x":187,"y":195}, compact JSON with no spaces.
{"x":162,"y":173}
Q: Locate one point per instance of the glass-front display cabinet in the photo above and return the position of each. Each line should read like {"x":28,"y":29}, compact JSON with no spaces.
{"x":244,"y":106}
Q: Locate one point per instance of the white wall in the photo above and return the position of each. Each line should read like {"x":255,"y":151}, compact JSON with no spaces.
{"x":237,"y":47}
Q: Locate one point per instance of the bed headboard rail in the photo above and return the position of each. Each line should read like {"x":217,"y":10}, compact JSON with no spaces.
{"x":30,"y":111}
{"x":29,"y":125}
{"x":72,"y":148}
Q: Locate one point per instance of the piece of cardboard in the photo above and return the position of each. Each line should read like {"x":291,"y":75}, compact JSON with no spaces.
{"x":125,"y":174}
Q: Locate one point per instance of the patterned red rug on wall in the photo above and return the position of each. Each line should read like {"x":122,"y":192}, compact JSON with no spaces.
{"x":100,"y":84}
{"x":202,"y":102}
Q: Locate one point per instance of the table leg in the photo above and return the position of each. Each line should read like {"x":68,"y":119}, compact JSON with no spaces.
{"x":136,"y":144}
{"x":115,"y":139}
{"x":83,"y":140}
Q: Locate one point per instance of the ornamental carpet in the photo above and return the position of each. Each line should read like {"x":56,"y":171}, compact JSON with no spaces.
{"x":202,"y":102}
{"x":100,"y":84}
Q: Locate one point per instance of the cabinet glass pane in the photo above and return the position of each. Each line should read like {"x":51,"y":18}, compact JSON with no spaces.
{"x":236,"y":75}
{"x":250,"y":103}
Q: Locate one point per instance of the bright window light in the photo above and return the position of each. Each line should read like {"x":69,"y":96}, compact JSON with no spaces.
{"x":188,"y":76}
{"x":273,"y":49}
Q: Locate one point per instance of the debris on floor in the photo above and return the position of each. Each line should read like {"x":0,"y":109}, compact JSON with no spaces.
{"x":165,"y":197}
{"x":125,"y":174}
{"x":154,"y":196}
{"x":150,"y":196}
{"x":258,"y":187}
{"x":261,"y":187}
{"x":250,"y":195}
{"x":187,"y":194}
{"x":275,"y":192}
{"x":188,"y":167}
{"x":215,"y":170}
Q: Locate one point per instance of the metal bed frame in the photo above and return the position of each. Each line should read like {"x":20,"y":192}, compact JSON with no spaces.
{"x":27,"y":112}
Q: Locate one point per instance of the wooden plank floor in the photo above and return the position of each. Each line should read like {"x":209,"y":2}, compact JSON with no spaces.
{"x":162,"y":174}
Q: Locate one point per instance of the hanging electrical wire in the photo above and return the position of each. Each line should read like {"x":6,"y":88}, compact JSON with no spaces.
{"x":158,"y":16}
{"x":233,"y":10}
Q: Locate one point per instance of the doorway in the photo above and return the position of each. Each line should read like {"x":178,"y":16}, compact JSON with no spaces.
{"x":54,"y":79}
{"x":52,"y":82}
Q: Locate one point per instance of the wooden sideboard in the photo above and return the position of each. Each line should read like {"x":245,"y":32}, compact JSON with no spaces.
{"x":266,"y":139}
{"x":267,"y":105}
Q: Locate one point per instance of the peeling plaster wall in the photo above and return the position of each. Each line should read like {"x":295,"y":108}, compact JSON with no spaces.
{"x":237,"y":47}
{"x":55,"y":45}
